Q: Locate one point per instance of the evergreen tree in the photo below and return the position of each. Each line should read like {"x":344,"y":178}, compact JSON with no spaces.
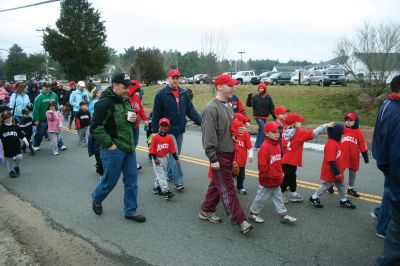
{"x":16,"y":62}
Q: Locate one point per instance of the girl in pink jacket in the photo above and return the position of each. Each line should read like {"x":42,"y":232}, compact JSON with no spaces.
{"x":54,"y":124}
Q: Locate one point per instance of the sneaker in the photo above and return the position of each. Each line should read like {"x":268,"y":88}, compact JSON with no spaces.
{"x":138,"y":166}
{"x":245,"y":227}
{"x":353,"y":193}
{"x":210,"y":216}
{"x":16,"y":169}
{"x":380,"y":235}
{"x":56,"y":153}
{"x":36,"y":148}
{"x":242,"y":191}
{"x":157,"y":190}
{"x":170,"y":179}
{"x":347,"y":204}
{"x":136,"y":217}
{"x":315,"y":202}
{"x":256,"y":218}
{"x":98,"y":209}
{"x":12,"y":174}
{"x":331,"y":190}
{"x":373,"y":215}
{"x":179,"y":187}
{"x":168,"y":195}
{"x":288,"y":219}
{"x":63,"y":147}
{"x":297,"y":198}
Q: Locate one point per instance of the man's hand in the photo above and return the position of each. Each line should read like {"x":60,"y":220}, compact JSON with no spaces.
{"x":241,"y":130}
{"x":112,"y":147}
{"x":215,"y":166}
{"x":157,"y":161}
{"x":146,"y":123}
{"x":250,"y":160}
{"x":133,"y":118}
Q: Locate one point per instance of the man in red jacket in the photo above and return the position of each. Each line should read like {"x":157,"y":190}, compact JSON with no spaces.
{"x":270,"y":176}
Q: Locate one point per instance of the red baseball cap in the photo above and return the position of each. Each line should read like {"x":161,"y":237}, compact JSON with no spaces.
{"x":71,"y":83}
{"x":225,"y":79}
{"x":351,"y":116}
{"x":164,"y":120}
{"x":271,"y":127}
{"x":293,"y":118}
{"x":174,"y":72}
{"x":280,"y":110}
{"x":241,"y":117}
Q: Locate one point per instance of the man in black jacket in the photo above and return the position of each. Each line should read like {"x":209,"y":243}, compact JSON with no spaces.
{"x":263,"y":106}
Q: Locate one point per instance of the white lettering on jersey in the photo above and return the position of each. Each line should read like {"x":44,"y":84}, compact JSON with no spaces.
{"x":162,"y":146}
{"x":84,"y":117}
{"x":350,"y":139}
{"x":241,"y":143}
{"x":275,"y":158}
{"x":10,"y":133}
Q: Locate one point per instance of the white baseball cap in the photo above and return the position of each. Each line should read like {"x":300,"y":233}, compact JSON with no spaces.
{"x":81,"y":84}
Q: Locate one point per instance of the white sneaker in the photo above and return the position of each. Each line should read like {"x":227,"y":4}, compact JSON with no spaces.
{"x":63,"y":147}
{"x":297,"y":198}
{"x":56,"y":153}
{"x":245,"y":227}
{"x":210,"y":216}
{"x":36,"y":148}
{"x":288,"y":219}
{"x":373,"y":215}
{"x":242,"y":191}
{"x":256,"y":218}
{"x":379,"y":235}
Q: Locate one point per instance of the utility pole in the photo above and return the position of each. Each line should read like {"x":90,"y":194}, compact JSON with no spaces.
{"x":241,"y":59}
{"x":45,"y":54}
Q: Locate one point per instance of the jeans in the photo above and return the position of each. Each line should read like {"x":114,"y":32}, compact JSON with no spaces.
{"x":260,"y":133}
{"x":115,"y":162}
{"x":174,"y":170}
{"x":391,"y":249}
{"x":383,"y":212}
{"x":136,"y":135}
{"x":41,"y":130}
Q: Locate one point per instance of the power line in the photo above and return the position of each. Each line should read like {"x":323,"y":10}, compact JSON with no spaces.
{"x":36,"y":4}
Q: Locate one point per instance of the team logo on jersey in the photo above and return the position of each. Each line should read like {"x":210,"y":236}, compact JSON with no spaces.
{"x":349,"y":139}
{"x":275,"y":158}
{"x":162,"y":146}
{"x":10,"y":133}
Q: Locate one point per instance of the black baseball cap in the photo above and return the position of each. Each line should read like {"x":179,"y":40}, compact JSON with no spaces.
{"x":122,"y":78}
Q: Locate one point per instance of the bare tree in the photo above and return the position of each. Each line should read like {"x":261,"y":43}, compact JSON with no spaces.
{"x":372,"y":56}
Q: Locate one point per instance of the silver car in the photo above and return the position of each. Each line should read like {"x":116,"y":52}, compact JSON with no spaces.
{"x":316,"y":77}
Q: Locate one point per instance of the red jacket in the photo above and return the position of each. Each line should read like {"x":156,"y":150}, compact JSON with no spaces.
{"x":332,"y":153}
{"x":352,"y":143}
{"x":293,"y":148}
{"x":270,"y":172}
{"x":137,"y":104}
{"x":162,"y":146}
{"x":242,"y":143}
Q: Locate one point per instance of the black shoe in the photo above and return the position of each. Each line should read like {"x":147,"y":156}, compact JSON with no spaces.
{"x":17,"y":170}
{"x":347,"y":204}
{"x":179,"y":187}
{"x":157,"y":190}
{"x":168,"y":195}
{"x":353,"y":193}
{"x":316,"y":203}
{"x":138,"y":166}
{"x":32,"y":152}
{"x":136,"y":217}
{"x":330,"y":190}
{"x":97,"y":209}
{"x":12,"y":174}
{"x":24,"y":150}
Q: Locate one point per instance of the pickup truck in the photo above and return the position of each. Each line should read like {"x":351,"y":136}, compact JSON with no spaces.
{"x":247,"y":77}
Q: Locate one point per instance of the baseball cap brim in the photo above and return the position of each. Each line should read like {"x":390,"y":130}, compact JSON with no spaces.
{"x":301,"y":119}
{"x":232,"y":82}
{"x":127,"y":83}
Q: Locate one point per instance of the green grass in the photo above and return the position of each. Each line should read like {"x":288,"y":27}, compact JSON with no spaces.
{"x":317,"y":104}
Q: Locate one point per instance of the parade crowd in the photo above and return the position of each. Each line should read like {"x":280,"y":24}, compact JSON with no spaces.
{"x":107,"y":122}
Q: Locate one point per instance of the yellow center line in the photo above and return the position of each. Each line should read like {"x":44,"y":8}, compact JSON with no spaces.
{"x":301,"y":183}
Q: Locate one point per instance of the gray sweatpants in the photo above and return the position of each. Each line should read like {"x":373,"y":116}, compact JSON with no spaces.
{"x":161,"y":172}
{"x":11,"y":164}
{"x":83,"y":134}
{"x":323,"y":188}
{"x":54,"y":137}
{"x":352,"y":178}
{"x":263,"y":194}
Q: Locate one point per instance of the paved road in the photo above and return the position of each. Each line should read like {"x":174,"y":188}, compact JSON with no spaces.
{"x":173,"y":235}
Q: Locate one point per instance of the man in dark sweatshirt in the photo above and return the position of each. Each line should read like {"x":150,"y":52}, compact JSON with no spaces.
{"x":219,"y":147}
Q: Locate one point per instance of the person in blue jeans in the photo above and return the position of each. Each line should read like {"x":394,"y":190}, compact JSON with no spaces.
{"x":263,"y":106}
{"x":385,"y":150}
{"x":117,"y":152}
{"x":174,"y":103}
{"x":382,"y":214}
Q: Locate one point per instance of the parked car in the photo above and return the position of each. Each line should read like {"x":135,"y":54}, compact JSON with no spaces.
{"x":316,"y":77}
{"x":182,"y":80}
{"x":190,"y":80}
{"x":279,"y":78}
{"x":247,"y":77}
{"x":335,"y":76}
{"x":202,"y":79}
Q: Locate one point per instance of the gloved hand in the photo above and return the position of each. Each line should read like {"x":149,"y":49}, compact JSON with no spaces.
{"x":365,"y":157}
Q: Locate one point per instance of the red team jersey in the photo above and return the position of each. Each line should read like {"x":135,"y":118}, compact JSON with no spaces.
{"x":270,"y":172}
{"x":293,"y":148}
{"x":352,"y":144}
{"x":332,"y":153}
{"x":242,"y":144}
{"x":162,"y":146}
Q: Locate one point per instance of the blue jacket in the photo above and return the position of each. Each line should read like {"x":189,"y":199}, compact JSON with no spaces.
{"x":386,"y":143}
{"x":165,"y":107}
{"x":91,"y":105}
{"x":78,"y":96}
{"x":18,"y":102}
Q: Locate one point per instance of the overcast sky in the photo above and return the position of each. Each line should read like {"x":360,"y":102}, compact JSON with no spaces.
{"x":280,"y":30}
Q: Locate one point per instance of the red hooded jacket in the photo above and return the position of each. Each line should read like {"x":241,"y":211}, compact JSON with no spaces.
{"x":136,"y":102}
{"x":270,"y":171}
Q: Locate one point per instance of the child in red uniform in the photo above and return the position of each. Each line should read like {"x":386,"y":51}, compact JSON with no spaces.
{"x":270,"y":176}
{"x":243,"y":149}
{"x":293,"y":141}
{"x":281,"y":114}
{"x":352,"y":143}
{"x":161,"y":145}
{"x":332,"y":169}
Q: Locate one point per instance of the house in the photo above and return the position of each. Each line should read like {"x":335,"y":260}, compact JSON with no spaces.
{"x":376,"y":64}
{"x":286,"y":68}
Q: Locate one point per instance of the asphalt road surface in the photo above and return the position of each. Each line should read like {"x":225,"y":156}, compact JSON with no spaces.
{"x":60,"y":186}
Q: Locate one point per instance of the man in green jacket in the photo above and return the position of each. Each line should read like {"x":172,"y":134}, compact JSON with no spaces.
{"x":39,"y":116}
{"x":112,"y":124}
